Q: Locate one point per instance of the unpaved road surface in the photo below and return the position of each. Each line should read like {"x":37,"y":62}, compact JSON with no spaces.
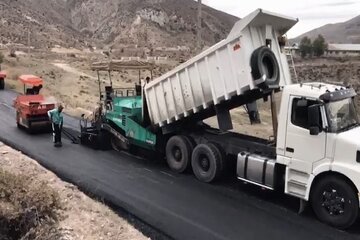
{"x":67,"y":68}
{"x":178,"y":205}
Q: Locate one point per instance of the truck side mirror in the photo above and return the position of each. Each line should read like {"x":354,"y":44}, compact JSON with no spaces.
{"x":314,"y":131}
{"x":314,"y":119}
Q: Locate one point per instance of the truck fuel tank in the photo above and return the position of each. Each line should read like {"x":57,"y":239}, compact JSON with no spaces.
{"x":256,"y":169}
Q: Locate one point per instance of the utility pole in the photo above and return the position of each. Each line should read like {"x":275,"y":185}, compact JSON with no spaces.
{"x":29,"y":41}
{"x":199,"y":40}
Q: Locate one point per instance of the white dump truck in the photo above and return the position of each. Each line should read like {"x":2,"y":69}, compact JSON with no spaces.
{"x":315,"y":153}
{"x":250,"y":58}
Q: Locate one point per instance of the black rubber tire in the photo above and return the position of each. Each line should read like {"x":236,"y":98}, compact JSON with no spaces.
{"x":30,"y":128}
{"x":192,"y":144}
{"x":344,"y":190}
{"x":206,"y":162}
{"x":223,"y":163}
{"x":178,"y":153}
{"x":263,"y":61}
{"x":2,"y":84}
{"x":18,"y":120}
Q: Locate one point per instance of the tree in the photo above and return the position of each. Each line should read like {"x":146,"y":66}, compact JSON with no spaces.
{"x":305,"y":47}
{"x":319,"y":46}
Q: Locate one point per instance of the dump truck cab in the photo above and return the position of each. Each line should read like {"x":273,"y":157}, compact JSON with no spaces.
{"x":318,"y":142}
{"x":316,"y":155}
{"x":318,"y":126}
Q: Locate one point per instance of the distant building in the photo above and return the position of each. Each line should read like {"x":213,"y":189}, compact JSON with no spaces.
{"x":293,"y":49}
{"x":343,"y":50}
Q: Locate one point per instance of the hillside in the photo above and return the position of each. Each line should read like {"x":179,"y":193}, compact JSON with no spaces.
{"x":39,"y":21}
{"x":154,"y":23}
{"x":346,"y":32}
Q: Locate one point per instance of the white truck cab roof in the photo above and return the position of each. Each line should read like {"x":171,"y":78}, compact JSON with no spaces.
{"x":317,"y":90}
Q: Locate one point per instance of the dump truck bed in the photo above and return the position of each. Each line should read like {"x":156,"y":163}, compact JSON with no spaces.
{"x":218,"y":73}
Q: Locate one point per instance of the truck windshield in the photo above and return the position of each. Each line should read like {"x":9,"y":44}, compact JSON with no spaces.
{"x":342,"y":115}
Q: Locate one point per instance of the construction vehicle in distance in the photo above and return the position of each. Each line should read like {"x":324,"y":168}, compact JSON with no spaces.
{"x":314,"y":155}
{"x":32,"y":107}
{"x":2,"y":80}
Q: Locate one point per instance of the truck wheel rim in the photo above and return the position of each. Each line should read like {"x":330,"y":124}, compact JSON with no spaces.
{"x":204,"y":163}
{"x":177,"y":154}
{"x":333,"y":202}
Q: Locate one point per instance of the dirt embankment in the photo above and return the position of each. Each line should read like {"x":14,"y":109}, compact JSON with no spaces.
{"x":337,"y":70}
{"x":344,"y":70}
{"x":36,"y":204}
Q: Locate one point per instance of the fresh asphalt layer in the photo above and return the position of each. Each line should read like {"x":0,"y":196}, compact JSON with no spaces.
{"x":178,"y":205}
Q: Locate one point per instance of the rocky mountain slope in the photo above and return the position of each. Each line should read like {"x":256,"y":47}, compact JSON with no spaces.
{"x":346,"y":32}
{"x":39,"y":22}
{"x":155,"y":23}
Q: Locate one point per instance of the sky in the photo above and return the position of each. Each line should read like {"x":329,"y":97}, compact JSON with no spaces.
{"x":311,"y":13}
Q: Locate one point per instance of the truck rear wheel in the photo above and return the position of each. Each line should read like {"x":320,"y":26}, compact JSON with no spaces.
{"x":263,"y":62}
{"x":335,"y":202}
{"x":207,"y":162}
{"x":178,"y":153}
{"x":2,"y":83}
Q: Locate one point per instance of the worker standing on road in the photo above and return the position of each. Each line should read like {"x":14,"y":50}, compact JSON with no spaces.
{"x":57,"y":121}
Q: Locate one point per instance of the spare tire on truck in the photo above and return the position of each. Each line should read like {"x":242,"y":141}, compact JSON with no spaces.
{"x":2,"y":83}
{"x":263,"y":62}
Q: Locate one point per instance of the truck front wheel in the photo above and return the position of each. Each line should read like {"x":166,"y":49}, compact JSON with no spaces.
{"x":178,"y":153}
{"x":335,"y":202}
{"x":206,"y":162}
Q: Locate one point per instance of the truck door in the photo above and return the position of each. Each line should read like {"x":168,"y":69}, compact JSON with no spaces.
{"x":302,"y":148}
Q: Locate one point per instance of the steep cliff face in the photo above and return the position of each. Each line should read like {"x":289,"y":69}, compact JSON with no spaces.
{"x":113,"y":22}
{"x":44,"y":23}
{"x":158,"y":22}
